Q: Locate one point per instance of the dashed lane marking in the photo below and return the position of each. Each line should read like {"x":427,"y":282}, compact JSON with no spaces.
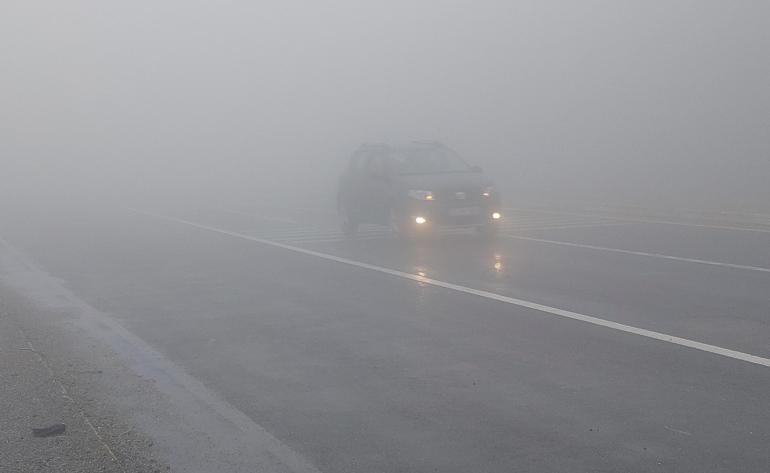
{"x":261,"y":217}
{"x":641,"y":253}
{"x":296,"y":232}
{"x":645,"y":220}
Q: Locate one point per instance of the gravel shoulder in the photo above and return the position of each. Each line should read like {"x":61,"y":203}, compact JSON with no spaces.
{"x":47,"y":380}
{"x":126,"y":407}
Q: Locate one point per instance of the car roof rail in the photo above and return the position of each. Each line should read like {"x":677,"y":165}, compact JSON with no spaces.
{"x":428,"y":143}
{"x":373,"y":145}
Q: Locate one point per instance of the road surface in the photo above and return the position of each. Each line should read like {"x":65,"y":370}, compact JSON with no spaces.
{"x":573,"y":342}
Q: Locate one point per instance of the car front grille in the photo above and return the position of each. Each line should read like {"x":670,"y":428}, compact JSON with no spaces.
{"x":460,"y":197}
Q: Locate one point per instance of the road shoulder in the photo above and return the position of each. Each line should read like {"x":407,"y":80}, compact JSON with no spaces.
{"x":45,"y":383}
{"x":151,"y":414}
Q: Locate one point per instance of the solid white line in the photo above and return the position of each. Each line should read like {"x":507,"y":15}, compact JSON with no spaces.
{"x":641,"y":253}
{"x":720,"y":227}
{"x":488,"y":295}
{"x":331,"y":237}
{"x":568,"y":226}
{"x":303,"y":233}
{"x":335,"y":235}
{"x":277,"y":233}
{"x":515,"y":222}
{"x":300,"y":235}
{"x":644,"y":220}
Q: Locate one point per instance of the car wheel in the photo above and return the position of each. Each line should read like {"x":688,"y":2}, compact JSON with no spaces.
{"x":489,"y":230}
{"x":396,"y":225}
{"x":348,"y":222}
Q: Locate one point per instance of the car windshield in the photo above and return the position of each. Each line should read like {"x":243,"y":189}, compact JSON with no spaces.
{"x":427,"y":161}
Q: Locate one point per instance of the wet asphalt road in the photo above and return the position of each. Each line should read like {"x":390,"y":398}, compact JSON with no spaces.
{"x":363,"y":371}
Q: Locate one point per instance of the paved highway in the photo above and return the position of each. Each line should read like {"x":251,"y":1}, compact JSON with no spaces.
{"x":572,"y":342}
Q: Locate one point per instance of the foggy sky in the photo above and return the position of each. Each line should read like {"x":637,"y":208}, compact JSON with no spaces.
{"x":640,"y":102}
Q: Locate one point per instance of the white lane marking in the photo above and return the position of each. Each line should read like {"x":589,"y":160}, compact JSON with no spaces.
{"x":310,"y":234}
{"x":370,"y":235}
{"x":314,"y":235}
{"x":261,"y":217}
{"x":568,"y":226}
{"x":644,"y":220}
{"x":299,"y":232}
{"x":519,"y":222}
{"x":677,"y":431}
{"x":641,"y":253}
{"x":720,"y":227}
{"x":726,"y":352}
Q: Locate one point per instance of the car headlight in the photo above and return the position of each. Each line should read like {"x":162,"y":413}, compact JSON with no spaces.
{"x":421,"y":195}
{"x":488,"y":191}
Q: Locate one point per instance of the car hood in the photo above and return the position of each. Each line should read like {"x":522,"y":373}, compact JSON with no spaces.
{"x":444,"y":182}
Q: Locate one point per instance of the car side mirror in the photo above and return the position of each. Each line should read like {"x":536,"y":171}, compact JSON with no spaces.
{"x":476,"y":169}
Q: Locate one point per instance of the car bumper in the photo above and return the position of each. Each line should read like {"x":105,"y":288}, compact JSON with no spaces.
{"x":427,"y":215}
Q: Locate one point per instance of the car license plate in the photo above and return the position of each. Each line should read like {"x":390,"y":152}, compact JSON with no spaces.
{"x":464,"y":211}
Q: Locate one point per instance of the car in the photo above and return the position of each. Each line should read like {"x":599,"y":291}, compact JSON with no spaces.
{"x":415,"y":189}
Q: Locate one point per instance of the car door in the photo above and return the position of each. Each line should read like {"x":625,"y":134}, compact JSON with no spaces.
{"x":375,"y":187}
{"x":352,"y":185}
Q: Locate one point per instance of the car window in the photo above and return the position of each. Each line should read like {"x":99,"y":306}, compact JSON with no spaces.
{"x":427,"y":161}
{"x":374,"y":165}
{"x":358,"y":162}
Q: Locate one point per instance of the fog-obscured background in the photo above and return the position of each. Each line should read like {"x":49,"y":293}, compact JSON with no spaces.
{"x":649,"y":103}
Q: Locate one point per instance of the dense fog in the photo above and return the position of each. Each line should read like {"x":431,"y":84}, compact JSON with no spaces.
{"x":648,"y":103}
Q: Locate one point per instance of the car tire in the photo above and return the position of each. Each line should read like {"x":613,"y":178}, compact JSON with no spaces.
{"x":348,"y":222}
{"x":488,"y":231}
{"x":396,"y":225}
